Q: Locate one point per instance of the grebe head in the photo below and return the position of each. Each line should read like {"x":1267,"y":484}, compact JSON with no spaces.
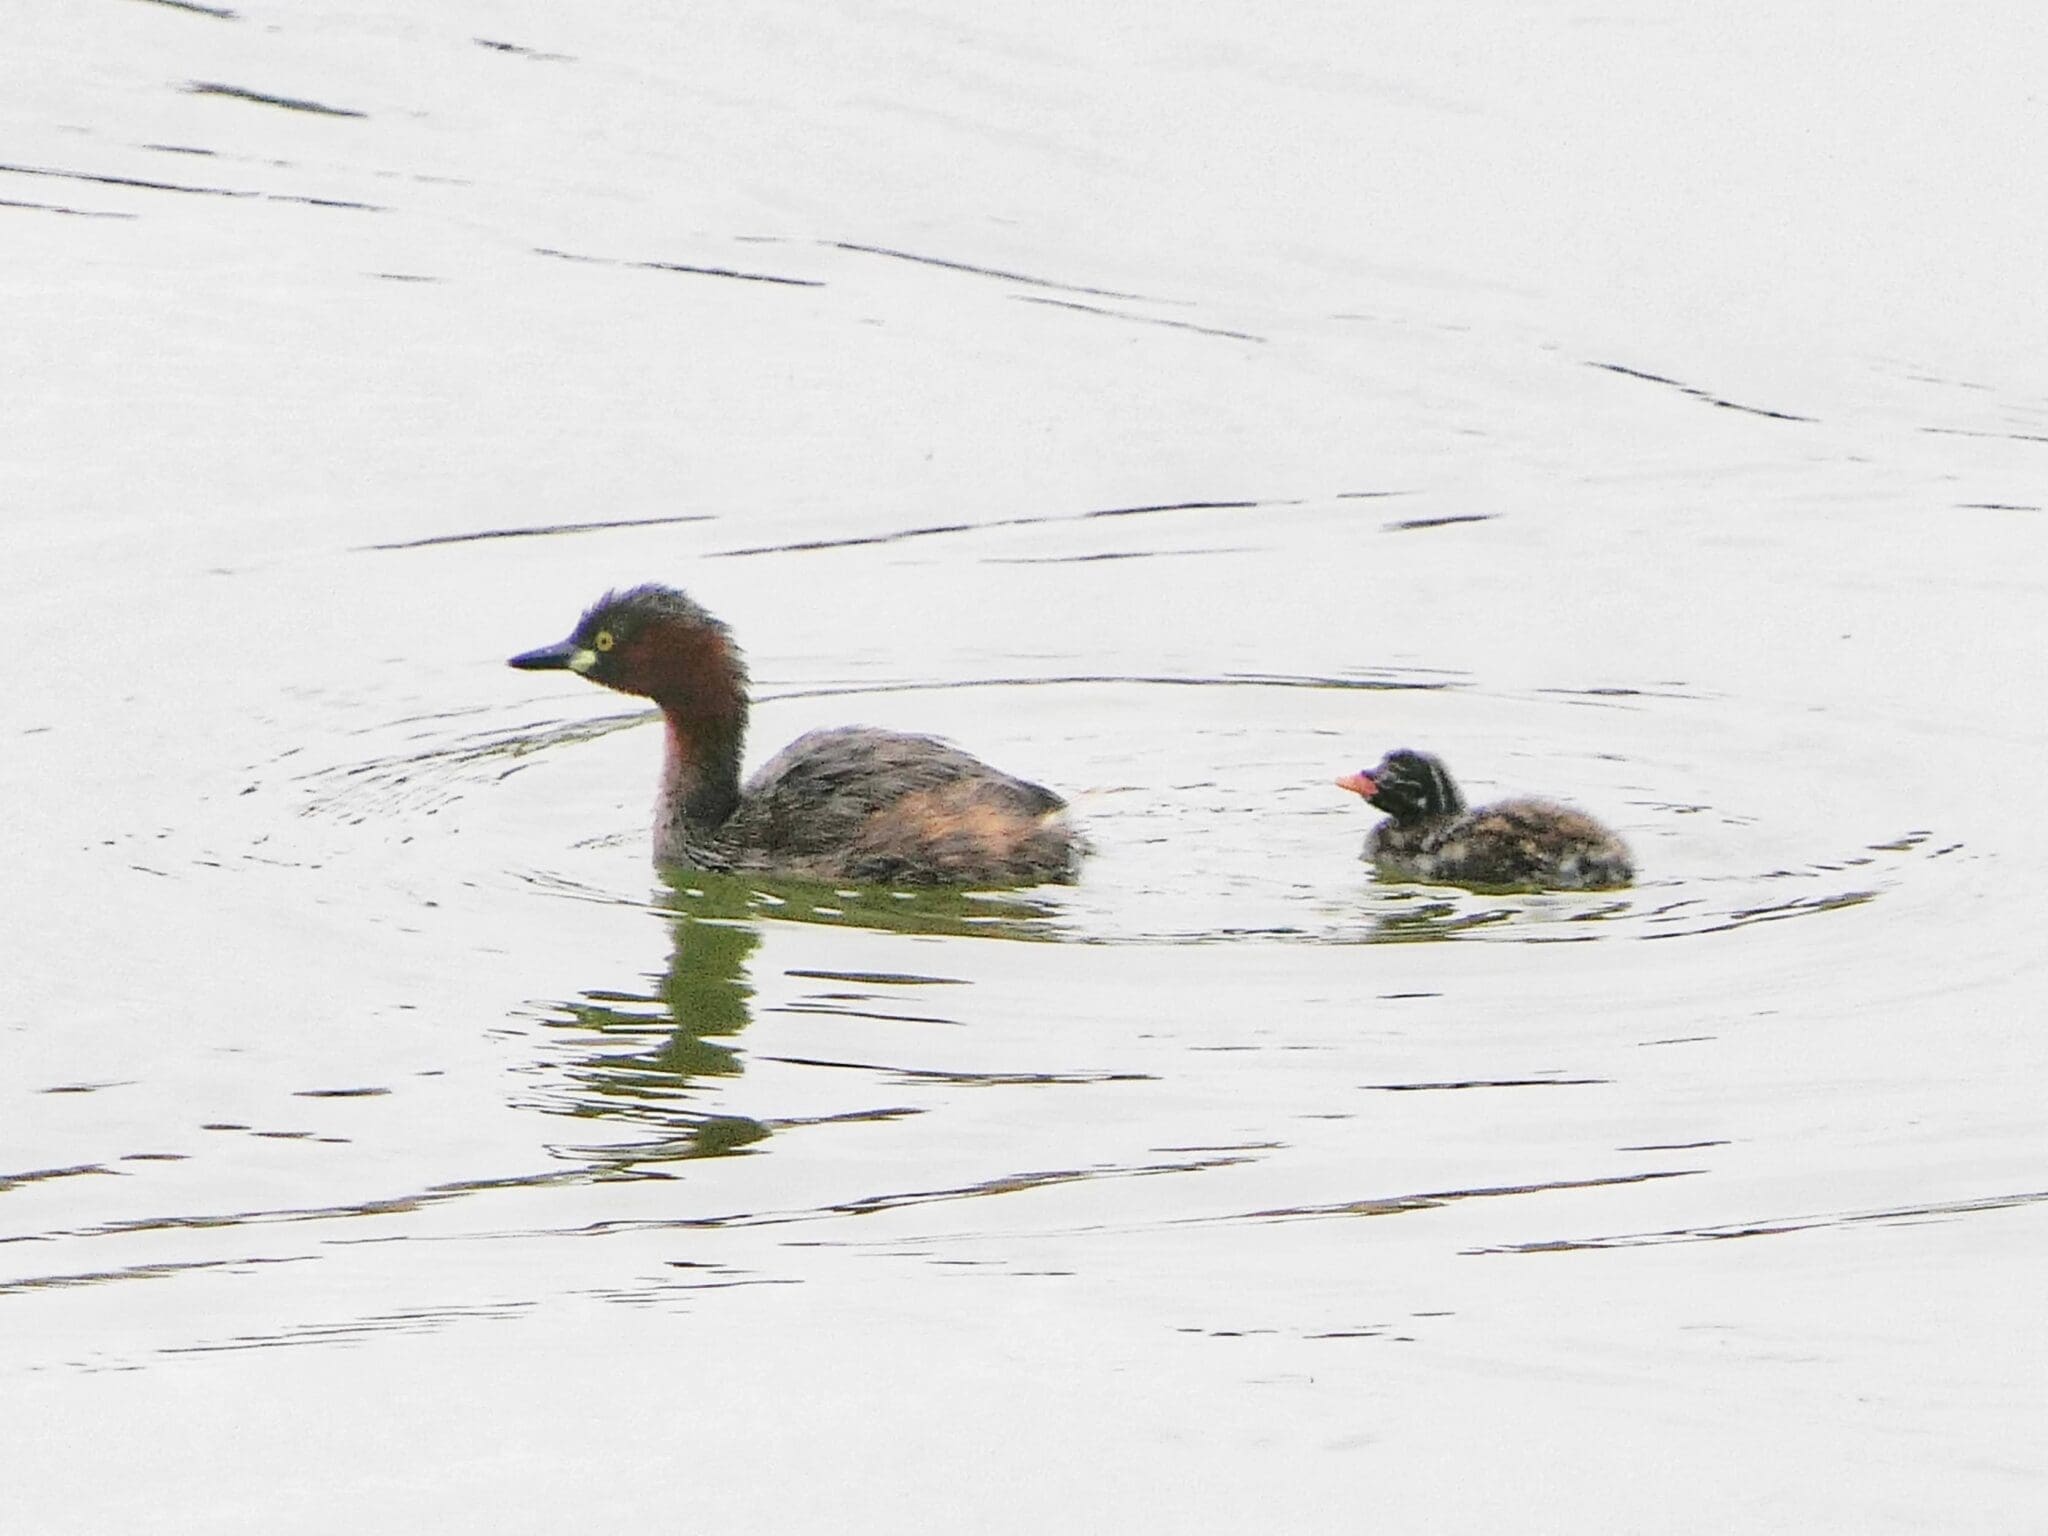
{"x":656,"y":642}
{"x":1408,"y":786}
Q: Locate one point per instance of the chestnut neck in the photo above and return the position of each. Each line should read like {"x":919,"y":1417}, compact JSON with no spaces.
{"x":700,"y":772}
{"x":695,"y":674}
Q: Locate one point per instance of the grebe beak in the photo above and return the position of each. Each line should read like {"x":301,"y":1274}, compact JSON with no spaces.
{"x":563,"y":656}
{"x":1360,"y":784}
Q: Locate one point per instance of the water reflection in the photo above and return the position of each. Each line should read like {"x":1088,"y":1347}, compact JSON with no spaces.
{"x":1427,"y":921}
{"x":658,"y":1052}
{"x":1407,"y":914}
{"x":654,"y":1048}
{"x":701,"y":897}
{"x":1672,"y":909}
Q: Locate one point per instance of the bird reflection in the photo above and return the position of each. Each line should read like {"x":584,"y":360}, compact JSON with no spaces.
{"x":652,"y":1058}
{"x":1407,"y":916}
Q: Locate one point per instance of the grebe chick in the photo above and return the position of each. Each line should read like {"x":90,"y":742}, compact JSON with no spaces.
{"x":1518,"y":844}
{"x":854,"y":804}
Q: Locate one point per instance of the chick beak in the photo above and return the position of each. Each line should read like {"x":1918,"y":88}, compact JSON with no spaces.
{"x":1360,"y":784}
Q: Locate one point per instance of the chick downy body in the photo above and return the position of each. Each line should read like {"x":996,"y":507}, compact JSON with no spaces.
{"x":1429,"y":836}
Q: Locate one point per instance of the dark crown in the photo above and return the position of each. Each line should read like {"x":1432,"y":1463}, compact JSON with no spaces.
{"x":1413,"y":786}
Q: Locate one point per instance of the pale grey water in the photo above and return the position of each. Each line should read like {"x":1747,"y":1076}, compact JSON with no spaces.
{"x":1639,"y":411}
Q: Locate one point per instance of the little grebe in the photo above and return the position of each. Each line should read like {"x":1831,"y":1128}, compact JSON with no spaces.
{"x":851,"y":804}
{"x":1518,"y":844}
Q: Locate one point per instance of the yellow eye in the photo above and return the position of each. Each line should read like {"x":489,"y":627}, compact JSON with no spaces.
{"x":604,"y":640}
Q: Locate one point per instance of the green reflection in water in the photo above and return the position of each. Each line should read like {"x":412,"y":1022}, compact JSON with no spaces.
{"x":659,"y":1051}
{"x":926,"y":910}
{"x":655,"y":1048}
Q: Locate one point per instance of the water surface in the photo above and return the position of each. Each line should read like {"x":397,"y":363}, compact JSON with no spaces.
{"x":1180,"y":416}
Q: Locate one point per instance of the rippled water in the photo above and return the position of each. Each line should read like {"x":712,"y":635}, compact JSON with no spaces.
{"x":1180,"y":418}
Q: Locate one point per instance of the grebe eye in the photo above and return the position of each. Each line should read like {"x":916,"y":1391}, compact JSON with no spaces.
{"x":604,"y":640}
